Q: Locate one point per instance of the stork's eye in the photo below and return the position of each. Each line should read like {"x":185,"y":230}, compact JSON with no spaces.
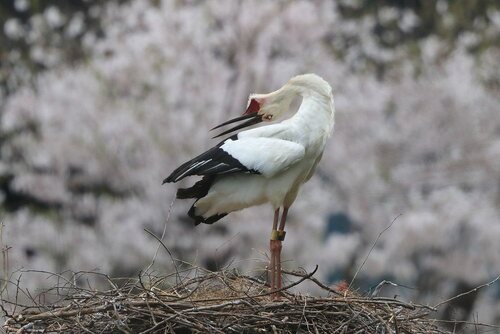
{"x":268,"y":117}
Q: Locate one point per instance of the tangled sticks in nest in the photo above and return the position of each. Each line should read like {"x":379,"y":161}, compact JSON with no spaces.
{"x":221,"y":302}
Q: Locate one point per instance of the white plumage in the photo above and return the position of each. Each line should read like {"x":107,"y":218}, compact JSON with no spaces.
{"x":266,"y":164}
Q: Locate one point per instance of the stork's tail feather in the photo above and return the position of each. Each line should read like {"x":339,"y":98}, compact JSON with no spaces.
{"x":200,"y":219}
{"x":198,"y":190}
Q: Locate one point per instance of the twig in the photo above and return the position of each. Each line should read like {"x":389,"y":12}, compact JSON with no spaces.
{"x":169,"y":212}
{"x":371,"y":249}
{"x":468,"y":292}
{"x":314,"y":280}
{"x":169,"y":253}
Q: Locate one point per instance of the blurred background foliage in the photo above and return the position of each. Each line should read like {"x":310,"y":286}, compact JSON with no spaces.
{"x":66,"y":28}
{"x":97,"y":98}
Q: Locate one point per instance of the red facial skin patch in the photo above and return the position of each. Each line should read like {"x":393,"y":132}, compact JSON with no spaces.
{"x":253,"y":107}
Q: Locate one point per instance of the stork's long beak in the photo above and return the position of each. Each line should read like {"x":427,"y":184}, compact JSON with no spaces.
{"x":250,"y":114}
{"x":252,"y":119}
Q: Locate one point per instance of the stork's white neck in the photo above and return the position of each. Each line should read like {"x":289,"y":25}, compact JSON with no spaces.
{"x":314,"y":119}
{"x":315,"y":109}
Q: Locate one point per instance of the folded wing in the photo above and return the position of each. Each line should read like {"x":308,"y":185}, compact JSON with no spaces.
{"x":266,"y":156}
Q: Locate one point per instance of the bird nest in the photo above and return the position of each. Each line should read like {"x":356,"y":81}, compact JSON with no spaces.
{"x":219,"y":302}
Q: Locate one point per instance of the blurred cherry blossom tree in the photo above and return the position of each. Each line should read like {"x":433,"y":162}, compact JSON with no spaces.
{"x":84,"y":148}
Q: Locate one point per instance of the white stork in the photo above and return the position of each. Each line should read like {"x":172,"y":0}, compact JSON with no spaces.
{"x":267,"y":164}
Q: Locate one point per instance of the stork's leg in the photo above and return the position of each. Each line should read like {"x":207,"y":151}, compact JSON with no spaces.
{"x":277,"y":279}
{"x":273,"y":251}
{"x":281,"y":234}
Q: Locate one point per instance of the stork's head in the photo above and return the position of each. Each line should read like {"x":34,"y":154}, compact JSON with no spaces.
{"x":268,"y":107}
{"x":261,"y":108}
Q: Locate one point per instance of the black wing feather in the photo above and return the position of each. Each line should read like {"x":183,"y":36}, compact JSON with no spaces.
{"x":198,"y":190}
{"x":215,"y":161}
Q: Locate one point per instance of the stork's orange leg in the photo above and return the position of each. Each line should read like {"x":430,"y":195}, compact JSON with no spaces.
{"x":275,"y":259}
{"x":278,"y":247}
{"x":273,"y":251}
{"x":281,"y":234}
